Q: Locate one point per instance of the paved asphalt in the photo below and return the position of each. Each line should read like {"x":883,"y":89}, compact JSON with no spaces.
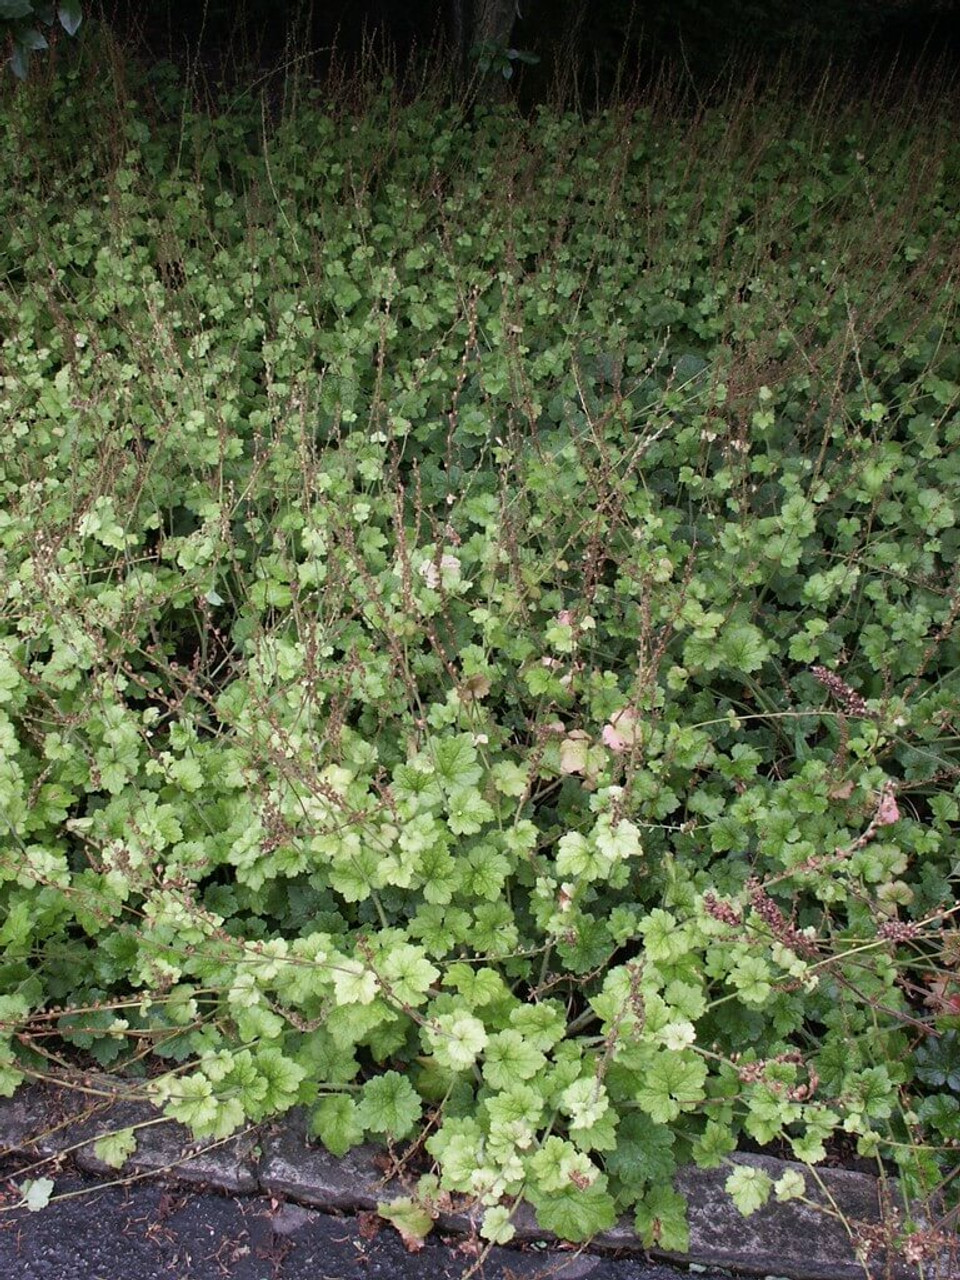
{"x":148,"y":1231}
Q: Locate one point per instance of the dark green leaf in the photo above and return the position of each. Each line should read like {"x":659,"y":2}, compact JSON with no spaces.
{"x":70,"y":15}
{"x":32,"y":39}
{"x":20,"y":61}
{"x":11,"y":10}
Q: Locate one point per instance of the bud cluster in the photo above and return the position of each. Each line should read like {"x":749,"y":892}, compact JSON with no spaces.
{"x":782,"y":929}
{"x":898,"y":930}
{"x":725,"y":912}
{"x":850,"y":700}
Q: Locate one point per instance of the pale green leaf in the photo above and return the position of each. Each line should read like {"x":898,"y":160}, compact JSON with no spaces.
{"x":36,"y":1193}
{"x":661,"y":1219}
{"x":412,"y":1220}
{"x":585,"y":1102}
{"x":673,"y":1082}
{"x":749,"y":1188}
{"x":496,"y":1226}
{"x":408,"y":974}
{"x":335,"y":1122}
{"x":389,"y":1105}
{"x":114,"y":1149}
{"x":353,"y":983}
{"x":508,"y":1058}
{"x":457,"y":1039}
{"x":790,"y":1185}
{"x":576,"y":1213}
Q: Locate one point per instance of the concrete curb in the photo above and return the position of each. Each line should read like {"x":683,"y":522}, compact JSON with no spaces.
{"x":795,"y":1240}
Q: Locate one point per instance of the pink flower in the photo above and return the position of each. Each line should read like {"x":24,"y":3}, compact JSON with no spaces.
{"x":888,"y":812}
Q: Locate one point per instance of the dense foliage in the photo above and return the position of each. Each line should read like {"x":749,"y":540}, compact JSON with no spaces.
{"x":478,"y":654}
{"x":23,"y":24}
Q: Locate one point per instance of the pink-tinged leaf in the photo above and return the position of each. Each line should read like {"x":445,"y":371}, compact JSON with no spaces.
{"x":412,"y":1220}
{"x":565,"y":617}
{"x":573,"y":752}
{"x":612,"y":739}
{"x":475,"y":687}
{"x":622,"y":731}
{"x":888,"y":812}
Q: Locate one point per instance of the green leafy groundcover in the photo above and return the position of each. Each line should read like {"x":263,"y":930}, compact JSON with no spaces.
{"x":478,"y":654}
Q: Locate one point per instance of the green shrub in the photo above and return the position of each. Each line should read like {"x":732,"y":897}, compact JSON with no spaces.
{"x":479,"y":648}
